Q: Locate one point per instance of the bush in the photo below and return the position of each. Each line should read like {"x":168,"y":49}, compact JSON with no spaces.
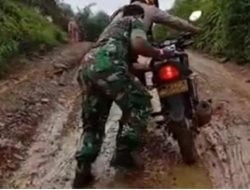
{"x":225,"y":24}
{"x":59,"y":11}
{"x":23,"y":30}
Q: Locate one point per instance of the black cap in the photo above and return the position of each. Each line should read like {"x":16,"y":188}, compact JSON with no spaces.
{"x":150,"y":2}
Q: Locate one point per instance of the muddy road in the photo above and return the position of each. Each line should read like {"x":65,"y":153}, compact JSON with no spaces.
{"x":40,"y":130}
{"x":224,"y":143}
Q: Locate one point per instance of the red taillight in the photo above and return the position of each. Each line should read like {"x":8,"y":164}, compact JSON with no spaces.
{"x":169,"y":73}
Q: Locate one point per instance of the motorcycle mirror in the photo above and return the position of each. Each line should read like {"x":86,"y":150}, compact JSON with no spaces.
{"x":196,"y":15}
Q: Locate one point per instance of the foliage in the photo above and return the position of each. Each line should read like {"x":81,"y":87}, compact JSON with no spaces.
{"x":160,"y":32}
{"x":22,"y":30}
{"x":91,"y":24}
{"x":225,"y":24}
{"x":59,"y":11}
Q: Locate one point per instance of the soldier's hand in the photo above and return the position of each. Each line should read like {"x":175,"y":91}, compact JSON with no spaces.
{"x":179,"y":53}
{"x":166,"y":53}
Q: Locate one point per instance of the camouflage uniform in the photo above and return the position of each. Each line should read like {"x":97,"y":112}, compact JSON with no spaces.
{"x":107,"y":78}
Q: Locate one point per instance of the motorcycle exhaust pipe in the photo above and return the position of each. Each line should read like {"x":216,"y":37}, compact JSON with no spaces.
{"x":204,"y":113}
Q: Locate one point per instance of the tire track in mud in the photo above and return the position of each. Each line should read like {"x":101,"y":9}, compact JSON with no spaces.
{"x":51,"y":158}
{"x":49,"y":92}
{"x":224,"y":143}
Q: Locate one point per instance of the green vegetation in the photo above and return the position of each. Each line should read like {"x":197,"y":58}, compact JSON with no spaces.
{"x":24,"y":29}
{"x":59,"y":11}
{"x":91,"y":24}
{"x":225,"y":24}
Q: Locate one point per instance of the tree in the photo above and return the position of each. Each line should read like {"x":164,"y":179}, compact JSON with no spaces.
{"x":225,"y":24}
{"x":91,"y":24}
{"x":66,"y":10}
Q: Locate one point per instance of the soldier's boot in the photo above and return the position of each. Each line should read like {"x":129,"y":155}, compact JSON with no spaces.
{"x":83,"y":176}
{"x":125,"y":155}
{"x":85,"y":157}
{"x":126,"y":159}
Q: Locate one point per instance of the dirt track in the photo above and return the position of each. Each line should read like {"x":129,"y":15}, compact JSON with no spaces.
{"x":40,"y":119}
{"x":225,"y":142}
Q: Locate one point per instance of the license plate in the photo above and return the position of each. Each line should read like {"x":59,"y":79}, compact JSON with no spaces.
{"x":173,"y":88}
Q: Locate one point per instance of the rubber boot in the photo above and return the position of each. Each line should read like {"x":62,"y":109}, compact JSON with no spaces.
{"x":126,"y":159}
{"x":83,"y":177}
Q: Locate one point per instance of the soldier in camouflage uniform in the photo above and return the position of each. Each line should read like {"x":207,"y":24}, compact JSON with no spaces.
{"x":107,"y":78}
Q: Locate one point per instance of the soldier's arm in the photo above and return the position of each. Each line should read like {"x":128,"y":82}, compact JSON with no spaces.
{"x":139,"y":43}
{"x":162,"y":17}
{"x":143,"y":63}
{"x":140,"y":46}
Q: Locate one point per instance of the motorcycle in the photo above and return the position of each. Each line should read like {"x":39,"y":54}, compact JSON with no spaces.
{"x":180,"y":110}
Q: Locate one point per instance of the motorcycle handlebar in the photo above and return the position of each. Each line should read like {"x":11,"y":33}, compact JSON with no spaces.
{"x":183,"y":41}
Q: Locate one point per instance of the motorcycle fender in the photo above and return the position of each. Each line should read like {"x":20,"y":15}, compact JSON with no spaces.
{"x":176,"y":108}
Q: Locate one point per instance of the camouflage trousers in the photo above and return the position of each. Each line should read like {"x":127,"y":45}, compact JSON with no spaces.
{"x":103,"y":88}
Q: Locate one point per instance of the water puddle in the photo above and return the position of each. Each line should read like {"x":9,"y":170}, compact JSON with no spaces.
{"x":178,"y":177}
{"x":183,"y":176}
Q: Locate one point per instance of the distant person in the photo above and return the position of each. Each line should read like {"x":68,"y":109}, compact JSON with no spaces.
{"x":73,"y":31}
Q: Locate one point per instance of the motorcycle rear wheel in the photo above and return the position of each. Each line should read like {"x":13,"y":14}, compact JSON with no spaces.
{"x":185,"y":138}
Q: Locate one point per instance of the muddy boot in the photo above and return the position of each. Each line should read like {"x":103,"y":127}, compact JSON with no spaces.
{"x":127,"y":142}
{"x":126,"y":159}
{"x":83,"y":177}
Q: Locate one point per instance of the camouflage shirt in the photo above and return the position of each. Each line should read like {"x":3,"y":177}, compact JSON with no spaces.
{"x":117,"y":37}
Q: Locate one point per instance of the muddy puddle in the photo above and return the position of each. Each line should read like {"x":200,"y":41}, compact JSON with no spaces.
{"x":179,"y":176}
{"x":183,"y":176}
{"x":162,"y":169}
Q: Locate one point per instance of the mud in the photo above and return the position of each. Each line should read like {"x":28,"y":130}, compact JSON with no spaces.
{"x":163,"y":167}
{"x":51,"y":136}
{"x":34,"y":111}
{"x":223,"y":144}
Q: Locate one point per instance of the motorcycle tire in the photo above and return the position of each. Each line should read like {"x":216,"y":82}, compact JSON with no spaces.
{"x":185,"y":139}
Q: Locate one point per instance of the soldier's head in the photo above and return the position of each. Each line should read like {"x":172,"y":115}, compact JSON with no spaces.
{"x":133,"y":10}
{"x":149,"y":2}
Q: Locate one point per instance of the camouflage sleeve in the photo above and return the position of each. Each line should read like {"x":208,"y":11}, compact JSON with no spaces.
{"x":162,"y":17}
{"x":138,"y":30}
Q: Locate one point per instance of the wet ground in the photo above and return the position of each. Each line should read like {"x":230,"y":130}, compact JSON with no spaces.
{"x":48,"y":138}
{"x":163,"y":167}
